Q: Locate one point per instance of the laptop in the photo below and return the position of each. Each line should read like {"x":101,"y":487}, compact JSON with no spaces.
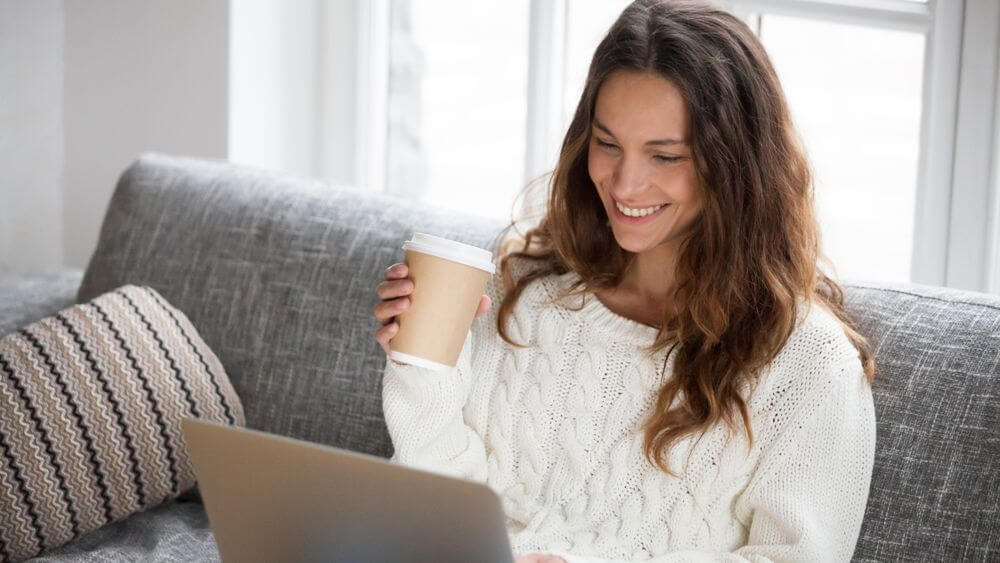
{"x":271,"y":498}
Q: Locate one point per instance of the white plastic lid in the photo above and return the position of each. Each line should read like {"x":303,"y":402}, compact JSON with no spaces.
{"x":451,"y":250}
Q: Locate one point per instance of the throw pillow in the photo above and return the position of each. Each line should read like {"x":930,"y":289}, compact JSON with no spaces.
{"x":91,"y":401}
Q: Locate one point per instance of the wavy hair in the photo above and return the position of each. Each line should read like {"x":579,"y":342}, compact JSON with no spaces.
{"x":751,"y":255}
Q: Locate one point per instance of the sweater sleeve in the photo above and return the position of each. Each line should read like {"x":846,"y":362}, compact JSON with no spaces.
{"x":807,"y":498}
{"x":424,"y":414}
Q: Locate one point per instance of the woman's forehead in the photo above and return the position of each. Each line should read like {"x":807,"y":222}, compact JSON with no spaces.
{"x":641,"y":104}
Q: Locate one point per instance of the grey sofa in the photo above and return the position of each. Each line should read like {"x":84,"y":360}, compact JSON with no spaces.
{"x":278,"y":274}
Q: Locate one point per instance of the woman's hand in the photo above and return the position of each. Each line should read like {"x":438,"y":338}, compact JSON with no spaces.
{"x":539,"y":558}
{"x":394,"y":298}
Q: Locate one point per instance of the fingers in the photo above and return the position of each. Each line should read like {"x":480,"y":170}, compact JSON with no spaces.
{"x":396,"y":271}
{"x":391,"y":289}
{"x":484,"y":306}
{"x":386,"y":311}
{"x":393,"y":294}
{"x":385,"y":334}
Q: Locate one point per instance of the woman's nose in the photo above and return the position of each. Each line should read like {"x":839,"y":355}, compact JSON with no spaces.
{"x":630,"y":177}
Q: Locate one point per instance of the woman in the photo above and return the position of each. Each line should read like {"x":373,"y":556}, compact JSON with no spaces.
{"x":668,"y":376}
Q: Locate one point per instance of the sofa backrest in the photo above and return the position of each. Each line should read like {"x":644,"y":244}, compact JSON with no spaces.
{"x":279,"y":274}
{"x":936,"y":486}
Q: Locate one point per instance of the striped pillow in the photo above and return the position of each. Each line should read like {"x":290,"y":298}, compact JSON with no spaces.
{"x":91,"y":401}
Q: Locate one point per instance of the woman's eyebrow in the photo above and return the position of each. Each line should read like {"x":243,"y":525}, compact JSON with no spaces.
{"x":604,"y":128}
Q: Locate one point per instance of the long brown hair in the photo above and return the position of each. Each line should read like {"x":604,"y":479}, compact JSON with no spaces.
{"x":753,"y":253}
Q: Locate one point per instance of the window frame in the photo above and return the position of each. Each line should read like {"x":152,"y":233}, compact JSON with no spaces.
{"x":372,"y":115}
{"x":941,"y":24}
{"x":956,"y":240}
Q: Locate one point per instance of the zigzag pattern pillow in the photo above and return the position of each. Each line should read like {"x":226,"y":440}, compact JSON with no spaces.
{"x":91,"y":401}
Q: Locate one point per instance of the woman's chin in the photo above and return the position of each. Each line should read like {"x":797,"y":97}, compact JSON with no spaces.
{"x":633,"y":244}
{"x":638,"y":243}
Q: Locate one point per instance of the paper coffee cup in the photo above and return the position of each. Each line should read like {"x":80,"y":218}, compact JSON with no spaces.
{"x":449,"y":278}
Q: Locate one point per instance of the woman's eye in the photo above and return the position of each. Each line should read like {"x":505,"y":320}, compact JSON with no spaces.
{"x":663,"y":158}
{"x":604,"y":144}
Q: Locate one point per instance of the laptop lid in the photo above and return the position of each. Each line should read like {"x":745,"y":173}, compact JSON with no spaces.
{"x":273,"y":498}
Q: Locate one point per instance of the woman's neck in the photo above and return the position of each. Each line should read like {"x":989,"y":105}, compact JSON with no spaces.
{"x":644,"y":292}
{"x":649,"y":279}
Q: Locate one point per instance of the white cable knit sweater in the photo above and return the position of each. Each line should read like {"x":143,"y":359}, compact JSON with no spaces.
{"x":555,"y":430}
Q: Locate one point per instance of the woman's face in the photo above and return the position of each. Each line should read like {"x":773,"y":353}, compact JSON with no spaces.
{"x":639,"y":159}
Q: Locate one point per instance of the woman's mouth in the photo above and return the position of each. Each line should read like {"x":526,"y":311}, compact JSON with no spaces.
{"x":640,"y":215}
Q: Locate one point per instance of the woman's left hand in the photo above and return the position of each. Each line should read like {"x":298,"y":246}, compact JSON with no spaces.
{"x":539,"y":558}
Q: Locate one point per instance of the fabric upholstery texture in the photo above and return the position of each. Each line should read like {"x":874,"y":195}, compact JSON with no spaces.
{"x":176,"y":530}
{"x":91,"y":401}
{"x":26,"y":298}
{"x":279,"y":276}
{"x":936,"y":485}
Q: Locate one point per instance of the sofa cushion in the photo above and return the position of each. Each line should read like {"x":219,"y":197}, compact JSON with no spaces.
{"x":279,"y":276}
{"x":91,"y":401}
{"x":935,"y":487}
{"x":177,"y":530}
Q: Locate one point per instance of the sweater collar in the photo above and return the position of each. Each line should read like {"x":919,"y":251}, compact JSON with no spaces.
{"x":597,"y":315}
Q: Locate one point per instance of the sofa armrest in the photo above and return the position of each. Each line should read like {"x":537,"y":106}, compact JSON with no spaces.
{"x":26,"y":298}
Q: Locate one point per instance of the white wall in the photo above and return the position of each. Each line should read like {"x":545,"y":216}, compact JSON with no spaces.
{"x":294,"y":71}
{"x":275,"y":88}
{"x":85,"y":87}
{"x":140,"y":76}
{"x":31,"y":134}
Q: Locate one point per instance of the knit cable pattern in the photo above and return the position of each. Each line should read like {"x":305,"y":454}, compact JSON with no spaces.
{"x":555,"y":430}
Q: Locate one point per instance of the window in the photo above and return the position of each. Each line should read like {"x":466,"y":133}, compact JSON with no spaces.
{"x":893,"y":98}
{"x":855,"y":97}
{"x":457,"y":105}
{"x":586,"y":23}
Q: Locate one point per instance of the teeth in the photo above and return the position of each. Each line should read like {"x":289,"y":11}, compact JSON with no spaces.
{"x":637,"y":212}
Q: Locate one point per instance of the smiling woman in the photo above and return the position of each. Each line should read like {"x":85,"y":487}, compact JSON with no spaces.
{"x":644,"y":174}
{"x":669,"y":375}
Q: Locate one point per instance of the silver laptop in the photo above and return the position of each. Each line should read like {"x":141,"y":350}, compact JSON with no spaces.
{"x":271,"y":498}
